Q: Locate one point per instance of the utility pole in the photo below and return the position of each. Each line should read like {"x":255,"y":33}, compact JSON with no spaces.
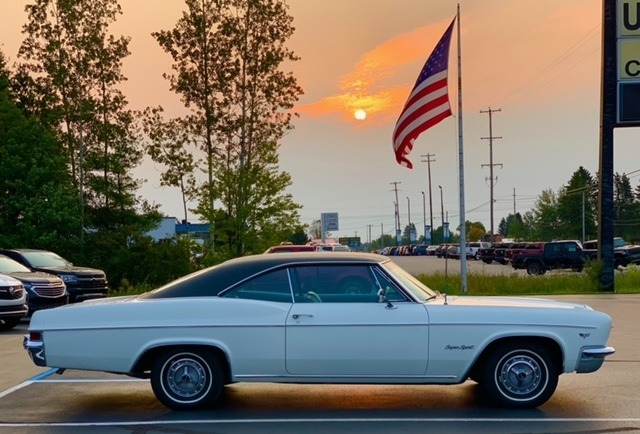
{"x":491,"y":164}
{"x":429,"y":161}
{"x":397,"y":211}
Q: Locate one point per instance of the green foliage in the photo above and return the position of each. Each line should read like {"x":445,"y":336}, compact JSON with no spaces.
{"x":139,"y":261}
{"x":227,"y":60}
{"x":553,"y":283}
{"x":299,"y":237}
{"x":38,"y":207}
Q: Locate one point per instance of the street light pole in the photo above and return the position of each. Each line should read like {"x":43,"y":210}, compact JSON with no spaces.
{"x":424,"y":217}
{"x":442,"y":211}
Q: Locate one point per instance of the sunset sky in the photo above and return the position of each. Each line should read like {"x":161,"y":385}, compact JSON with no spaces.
{"x":538,"y":62}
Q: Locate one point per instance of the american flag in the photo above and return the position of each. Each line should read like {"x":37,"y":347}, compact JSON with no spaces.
{"x":428,"y":102}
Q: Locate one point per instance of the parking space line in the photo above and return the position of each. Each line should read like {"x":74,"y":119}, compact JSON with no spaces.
{"x":321,"y":420}
{"x":31,"y":380}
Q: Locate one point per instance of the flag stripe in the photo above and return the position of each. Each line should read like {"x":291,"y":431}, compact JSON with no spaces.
{"x":437,"y":82}
{"x":434,"y":103}
{"x":428,"y":102}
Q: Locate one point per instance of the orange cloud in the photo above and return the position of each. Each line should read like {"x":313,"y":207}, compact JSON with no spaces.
{"x":369,"y":85}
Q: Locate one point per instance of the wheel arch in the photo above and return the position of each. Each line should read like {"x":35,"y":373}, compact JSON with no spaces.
{"x":142,"y":367}
{"x":549,"y":343}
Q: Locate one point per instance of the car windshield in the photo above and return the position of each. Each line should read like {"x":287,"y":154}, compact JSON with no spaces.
{"x":8,"y":265}
{"x":46,"y":259}
{"x":418,"y":289}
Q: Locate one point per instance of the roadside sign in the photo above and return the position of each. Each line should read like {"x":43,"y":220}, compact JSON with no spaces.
{"x":329,"y":221}
{"x":628,"y":59}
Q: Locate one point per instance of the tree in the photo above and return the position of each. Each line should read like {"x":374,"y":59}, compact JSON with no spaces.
{"x":576,"y":206}
{"x":513,"y":227}
{"x":70,"y":75}
{"x":169,"y":145}
{"x":475,"y":230}
{"x":544,"y":218}
{"x":227,"y":58}
{"x":626,"y":208}
{"x":39,"y":208}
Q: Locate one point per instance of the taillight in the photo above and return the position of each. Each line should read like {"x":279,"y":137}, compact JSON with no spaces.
{"x":35,"y":336}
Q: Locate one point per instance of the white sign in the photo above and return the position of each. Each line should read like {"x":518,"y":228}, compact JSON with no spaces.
{"x":329,"y":221}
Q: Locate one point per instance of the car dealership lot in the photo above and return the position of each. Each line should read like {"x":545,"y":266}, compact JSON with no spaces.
{"x":78,"y":401}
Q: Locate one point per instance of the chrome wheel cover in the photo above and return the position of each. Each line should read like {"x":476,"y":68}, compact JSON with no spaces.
{"x":186,"y":377}
{"x":521,"y":376}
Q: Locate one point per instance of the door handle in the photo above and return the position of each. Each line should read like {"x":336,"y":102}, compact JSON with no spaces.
{"x":298,"y":315}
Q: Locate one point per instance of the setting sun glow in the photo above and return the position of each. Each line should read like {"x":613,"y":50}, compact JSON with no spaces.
{"x":360,"y":114}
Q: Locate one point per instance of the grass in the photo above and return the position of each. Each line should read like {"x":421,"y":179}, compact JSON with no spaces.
{"x":554,"y":283}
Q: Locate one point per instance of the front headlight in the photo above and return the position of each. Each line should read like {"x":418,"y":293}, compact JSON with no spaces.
{"x":68,"y":278}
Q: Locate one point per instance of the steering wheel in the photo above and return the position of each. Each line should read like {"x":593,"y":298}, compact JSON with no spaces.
{"x":313,"y":297}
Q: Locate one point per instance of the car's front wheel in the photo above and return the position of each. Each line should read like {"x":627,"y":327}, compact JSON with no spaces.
{"x":519,"y":376}
{"x":187,"y":379}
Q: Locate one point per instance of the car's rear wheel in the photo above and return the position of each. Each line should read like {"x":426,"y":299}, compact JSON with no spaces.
{"x":8,"y":323}
{"x":519,"y":376}
{"x":534,"y":269}
{"x":187,"y":379}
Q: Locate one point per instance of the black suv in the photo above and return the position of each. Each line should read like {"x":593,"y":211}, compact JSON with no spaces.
{"x":83,"y":283}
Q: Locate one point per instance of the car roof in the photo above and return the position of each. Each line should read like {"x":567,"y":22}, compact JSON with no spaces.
{"x":213,"y":280}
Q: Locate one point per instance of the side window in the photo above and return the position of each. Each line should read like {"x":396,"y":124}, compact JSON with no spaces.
{"x":334,"y":284}
{"x":272,"y":286}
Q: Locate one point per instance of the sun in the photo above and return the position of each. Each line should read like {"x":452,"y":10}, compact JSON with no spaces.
{"x":360,"y":114}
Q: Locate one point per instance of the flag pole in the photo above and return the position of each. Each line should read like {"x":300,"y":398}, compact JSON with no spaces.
{"x":463,"y":228}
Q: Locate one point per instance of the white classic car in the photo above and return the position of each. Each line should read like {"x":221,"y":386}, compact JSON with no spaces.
{"x":340,"y":318}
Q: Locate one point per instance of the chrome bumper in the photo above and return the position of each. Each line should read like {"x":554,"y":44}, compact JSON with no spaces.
{"x":591,"y":359}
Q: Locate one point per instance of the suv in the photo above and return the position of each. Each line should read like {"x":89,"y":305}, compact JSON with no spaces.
{"x":83,"y":283}
{"x":44,"y":290}
{"x":13,"y":302}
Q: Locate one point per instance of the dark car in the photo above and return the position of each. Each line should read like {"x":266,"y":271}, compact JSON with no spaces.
{"x":83,"y":283}
{"x":44,"y":290}
{"x":420,"y":250}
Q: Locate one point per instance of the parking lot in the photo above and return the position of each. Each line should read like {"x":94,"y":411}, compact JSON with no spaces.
{"x":34,"y":400}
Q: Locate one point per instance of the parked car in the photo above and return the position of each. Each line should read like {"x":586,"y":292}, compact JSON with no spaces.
{"x":623,"y":253}
{"x":300,"y":318}
{"x":453,"y":251}
{"x":44,"y":290}
{"x":432,"y":250}
{"x":419,"y":250}
{"x":83,"y":283}
{"x":284,"y":248}
{"x":13,"y":302}
{"x":553,"y":255}
{"x":473,"y":249}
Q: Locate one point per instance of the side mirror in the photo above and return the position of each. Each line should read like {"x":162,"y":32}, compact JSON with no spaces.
{"x":382,"y":298}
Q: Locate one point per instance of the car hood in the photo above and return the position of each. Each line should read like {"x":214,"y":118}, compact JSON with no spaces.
{"x":527,"y":302}
{"x":36,"y":277}
{"x":79,"y":271}
{"x":8,"y":280}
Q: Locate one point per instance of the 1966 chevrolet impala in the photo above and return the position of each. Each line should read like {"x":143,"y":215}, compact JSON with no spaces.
{"x":313,"y":318}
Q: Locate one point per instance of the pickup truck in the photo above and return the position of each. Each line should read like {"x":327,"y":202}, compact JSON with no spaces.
{"x":623,"y":253}
{"x":553,"y":255}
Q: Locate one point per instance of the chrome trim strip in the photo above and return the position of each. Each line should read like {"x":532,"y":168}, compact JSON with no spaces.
{"x":352,"y":377}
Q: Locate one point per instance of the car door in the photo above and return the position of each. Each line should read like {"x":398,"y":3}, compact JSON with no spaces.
{"x":349,"y":333}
